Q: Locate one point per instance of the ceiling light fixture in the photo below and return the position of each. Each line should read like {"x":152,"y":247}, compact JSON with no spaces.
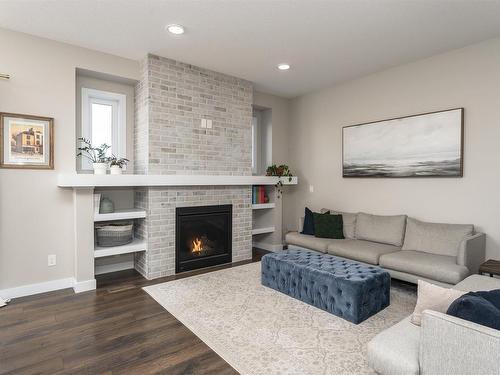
{"x":175,"y":29}
{"x":284,"y":66}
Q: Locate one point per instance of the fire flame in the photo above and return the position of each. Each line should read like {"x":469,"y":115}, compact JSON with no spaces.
{"x":197,"y":246}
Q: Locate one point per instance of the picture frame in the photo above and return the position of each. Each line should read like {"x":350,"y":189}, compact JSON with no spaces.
{"x":424,"y":145}
{"x":27,"y":142}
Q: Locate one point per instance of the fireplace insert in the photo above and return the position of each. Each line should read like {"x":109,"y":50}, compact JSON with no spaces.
{"x":203,"y":236}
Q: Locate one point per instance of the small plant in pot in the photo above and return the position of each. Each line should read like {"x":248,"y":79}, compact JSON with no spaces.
{"x":97,"y":155}
{"x":116,"y":164}
{"x":279,"y":171}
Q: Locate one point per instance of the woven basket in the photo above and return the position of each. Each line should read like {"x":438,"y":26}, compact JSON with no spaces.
{"x":114,"y":234}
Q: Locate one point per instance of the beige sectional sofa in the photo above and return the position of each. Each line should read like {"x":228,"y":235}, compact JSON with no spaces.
{"x":407,"y":248}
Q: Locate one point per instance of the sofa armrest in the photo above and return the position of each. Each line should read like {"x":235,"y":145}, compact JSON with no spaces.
{"x":449,"y":345}
{"x":301,"y":224}
{"x":471,"y":252}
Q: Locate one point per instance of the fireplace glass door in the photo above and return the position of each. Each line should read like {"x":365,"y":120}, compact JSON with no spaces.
{"x":203,"y":236}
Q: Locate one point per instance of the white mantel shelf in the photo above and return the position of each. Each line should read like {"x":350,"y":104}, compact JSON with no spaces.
{"x":130,"y":180}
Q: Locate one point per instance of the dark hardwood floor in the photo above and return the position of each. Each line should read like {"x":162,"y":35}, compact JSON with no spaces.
{"x":116,"y":329}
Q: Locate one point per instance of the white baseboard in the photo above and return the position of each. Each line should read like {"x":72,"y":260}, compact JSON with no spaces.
{"x":83,"y":286}
{"x":268,"y":246}
{"x":47,"y":286}
{"x":28,"y":290}
{"x":106,"y":268}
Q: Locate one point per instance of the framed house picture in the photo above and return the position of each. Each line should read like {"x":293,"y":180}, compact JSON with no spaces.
{"x":424,"y":145}
{"x":26,"y":141}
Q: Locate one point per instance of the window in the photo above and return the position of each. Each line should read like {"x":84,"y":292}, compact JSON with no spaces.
{"x":104,"y":121}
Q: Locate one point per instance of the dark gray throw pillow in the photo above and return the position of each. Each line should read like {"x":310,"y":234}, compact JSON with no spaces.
{"x":328,"y":226}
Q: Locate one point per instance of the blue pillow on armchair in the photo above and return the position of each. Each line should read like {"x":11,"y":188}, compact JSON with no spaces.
{"x":478,"y":307}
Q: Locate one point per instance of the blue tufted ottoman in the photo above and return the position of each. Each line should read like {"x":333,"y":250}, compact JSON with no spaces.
{"x":352,"y":290}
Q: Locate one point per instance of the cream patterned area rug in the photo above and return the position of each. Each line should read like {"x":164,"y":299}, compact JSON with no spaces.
{"x":258,"y":330}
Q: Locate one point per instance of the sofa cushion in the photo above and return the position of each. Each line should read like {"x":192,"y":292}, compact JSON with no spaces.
{"x":328,"y":226}
{"x":395,"y":350}
{"x":363,"y":251}
{"x":435,"y":267}
{"x":348,"y":219}
{"x":383,"y":229}
{"x":435,"y":238}
{"x":478,"y":307}
{"x":307,"y":241}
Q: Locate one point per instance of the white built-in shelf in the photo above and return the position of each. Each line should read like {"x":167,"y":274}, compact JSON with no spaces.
{"x":128,"y":180}
{"x":261,"y":206}
{"x":130,"y":213}
{"x":287,"y":180}
{"x":138,"y":244}
{"x":263,"y":230}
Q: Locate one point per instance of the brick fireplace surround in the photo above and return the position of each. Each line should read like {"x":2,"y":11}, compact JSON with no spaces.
{"x":171,"y":99}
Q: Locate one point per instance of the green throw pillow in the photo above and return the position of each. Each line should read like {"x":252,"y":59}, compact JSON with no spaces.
{"x":328,"y":226}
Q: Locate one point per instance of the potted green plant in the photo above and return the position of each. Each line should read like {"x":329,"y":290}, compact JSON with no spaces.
{"x":116,"y":164}
{"x":279,"y":171}
{"x":97,"y":155}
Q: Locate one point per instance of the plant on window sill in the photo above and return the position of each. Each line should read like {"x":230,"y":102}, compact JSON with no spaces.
{"x":279,"y":171}
{"x":116,"y":164}
{"x":97,"y":155}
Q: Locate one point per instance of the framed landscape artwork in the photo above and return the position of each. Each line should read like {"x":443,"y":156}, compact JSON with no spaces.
{"x":425,"y":145}
{"x":27,"y":141}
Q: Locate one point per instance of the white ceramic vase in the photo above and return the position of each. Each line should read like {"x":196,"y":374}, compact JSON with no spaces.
{"x":115,"y":169}
{"x":100,"y":168}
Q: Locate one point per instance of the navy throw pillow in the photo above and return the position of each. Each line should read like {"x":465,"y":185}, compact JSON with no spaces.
{"x":478,"y":307}
{"x":308,"y":227}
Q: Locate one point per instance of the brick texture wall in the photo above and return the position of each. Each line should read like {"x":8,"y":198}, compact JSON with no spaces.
{"x":159,"y":226}
{"x":171,"y":99}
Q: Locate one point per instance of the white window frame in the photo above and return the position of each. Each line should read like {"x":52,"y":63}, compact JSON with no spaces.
{"x":118,"y":102}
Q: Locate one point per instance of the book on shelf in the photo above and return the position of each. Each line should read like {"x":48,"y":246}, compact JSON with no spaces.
{"x":259,"y":194}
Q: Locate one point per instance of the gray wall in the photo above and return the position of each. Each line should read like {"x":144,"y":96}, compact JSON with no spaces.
{"x":36,"y":216}
{"x":280,"y":108}
{"x":276,"y":117}
{"x":469,"y":78}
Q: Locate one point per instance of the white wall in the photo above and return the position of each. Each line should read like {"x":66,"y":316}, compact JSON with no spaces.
{"x":469,"y":78}
{"x":36,"y":217}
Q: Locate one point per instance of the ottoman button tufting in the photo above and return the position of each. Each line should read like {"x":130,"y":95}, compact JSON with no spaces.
{"x":328,"y":282}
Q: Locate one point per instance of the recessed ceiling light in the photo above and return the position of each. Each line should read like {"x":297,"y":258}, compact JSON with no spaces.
{"x":175,"y":29}
{"x":284,"y":66}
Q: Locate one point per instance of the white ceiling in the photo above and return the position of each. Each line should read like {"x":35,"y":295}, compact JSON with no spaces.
{"x":326,"y":42}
